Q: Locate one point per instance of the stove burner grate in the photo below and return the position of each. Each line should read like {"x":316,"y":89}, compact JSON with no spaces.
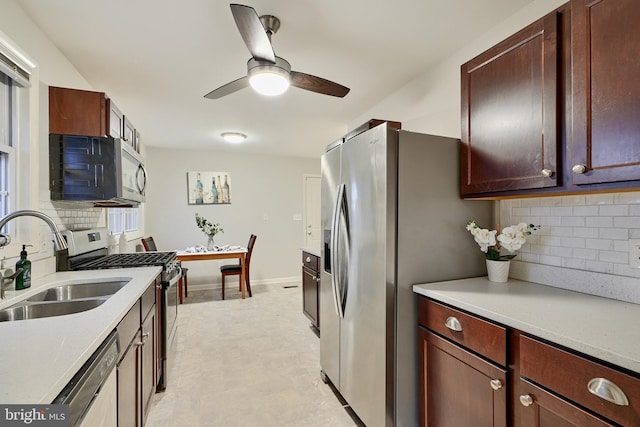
{"x":138,"y":259}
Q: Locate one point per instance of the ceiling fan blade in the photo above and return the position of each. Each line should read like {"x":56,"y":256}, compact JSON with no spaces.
{"x":253,"y":33}
{"x":317,"y":84}
{"x":229,"y":88}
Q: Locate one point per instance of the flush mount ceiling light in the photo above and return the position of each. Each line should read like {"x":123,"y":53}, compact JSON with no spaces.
{"x":267,"y":78}
{"x":233,"y":137}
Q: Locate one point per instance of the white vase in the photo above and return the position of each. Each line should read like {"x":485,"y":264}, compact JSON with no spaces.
{"x":210,"y":244}
{"x":498,"y":271}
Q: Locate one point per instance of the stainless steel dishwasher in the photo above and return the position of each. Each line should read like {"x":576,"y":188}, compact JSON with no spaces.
{"x":92,"y":392}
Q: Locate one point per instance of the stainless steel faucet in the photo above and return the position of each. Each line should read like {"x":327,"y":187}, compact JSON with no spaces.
{"x":61,"y":250}
{"x":7,"y":280}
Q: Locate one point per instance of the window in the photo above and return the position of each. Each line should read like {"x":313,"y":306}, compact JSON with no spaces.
{"x":14,"y":83}
{"x":122,"y":220}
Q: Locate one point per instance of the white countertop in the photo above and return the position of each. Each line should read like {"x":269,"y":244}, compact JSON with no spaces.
{"x":40,"y":356}
{"x":600,"y":327}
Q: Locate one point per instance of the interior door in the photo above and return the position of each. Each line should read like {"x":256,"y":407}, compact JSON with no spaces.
{"x":312,"y":233}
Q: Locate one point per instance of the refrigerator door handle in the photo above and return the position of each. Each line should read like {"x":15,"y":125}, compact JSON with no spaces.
{"x":343,"y":280}
{"x":334,"y":250}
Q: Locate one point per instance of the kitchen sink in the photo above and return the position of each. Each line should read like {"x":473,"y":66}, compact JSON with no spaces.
{"x":25,"y":311}
{"x":79,"y":291}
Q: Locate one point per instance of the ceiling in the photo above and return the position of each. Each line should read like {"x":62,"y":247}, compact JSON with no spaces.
{"x":157,"y":59}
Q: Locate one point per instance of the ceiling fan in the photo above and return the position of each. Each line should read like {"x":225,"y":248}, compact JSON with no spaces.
{"x":265,"y":68}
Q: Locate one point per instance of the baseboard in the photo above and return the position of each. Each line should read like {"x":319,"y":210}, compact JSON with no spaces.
{"x":218,"y":285}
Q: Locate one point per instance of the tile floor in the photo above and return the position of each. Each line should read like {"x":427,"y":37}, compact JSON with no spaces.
{"x":252,"y":362}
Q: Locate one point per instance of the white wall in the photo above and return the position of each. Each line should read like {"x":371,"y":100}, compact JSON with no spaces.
{"x":260,"y":185}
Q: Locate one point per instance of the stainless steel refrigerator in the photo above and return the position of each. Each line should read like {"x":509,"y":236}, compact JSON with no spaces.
{"x":391,"y":217}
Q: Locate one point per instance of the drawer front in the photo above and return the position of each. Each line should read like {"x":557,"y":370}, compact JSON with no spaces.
{"x":570,"y":375}
{"x":311,"y":261}
{"x":148,"y":299}
{"x":128,"y":327}
{"x":483,"y":337}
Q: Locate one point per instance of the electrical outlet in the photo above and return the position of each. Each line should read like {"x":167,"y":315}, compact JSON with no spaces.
{"x":634,"y":253}
{"x":265,"y":217}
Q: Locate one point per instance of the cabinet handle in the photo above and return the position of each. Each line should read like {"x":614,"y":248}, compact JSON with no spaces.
{"x":318,"y":279}
{"x":547,"y":173}
{"x":313,"y":278}
{"x":308,"y":259}
{"x":139,"y":343}
{"x":496,"y":384}
{"x":579,"y":169}
{"x":526,"y":400}
{"x":453,"y":324}
{"x":607,"y":390}
{"x":145,"y":335}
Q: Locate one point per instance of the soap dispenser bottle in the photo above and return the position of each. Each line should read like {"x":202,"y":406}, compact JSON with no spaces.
{"x":23,"y":280}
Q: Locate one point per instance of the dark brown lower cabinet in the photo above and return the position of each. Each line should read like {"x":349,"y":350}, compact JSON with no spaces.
{"x":137,"y":369}
{"x":147,"y":357}
{"x":311,"y":288}
{"x":543,"y":409}
{"x":129,"y":385}
{"x":459,"y":388}
{"x":541,"y":384}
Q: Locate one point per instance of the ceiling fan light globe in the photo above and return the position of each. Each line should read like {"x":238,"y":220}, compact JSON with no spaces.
{"x":269,"y":83}
{"x":268,"y":78}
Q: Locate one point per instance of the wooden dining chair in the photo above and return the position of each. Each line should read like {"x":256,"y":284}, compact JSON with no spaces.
{"x":150,"y":246}
{"x":236,"y":269}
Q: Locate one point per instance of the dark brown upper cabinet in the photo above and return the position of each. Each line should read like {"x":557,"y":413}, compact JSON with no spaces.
{"x":605,"y":73}
{"x":77,"y":112}
{"x":510,"y":132}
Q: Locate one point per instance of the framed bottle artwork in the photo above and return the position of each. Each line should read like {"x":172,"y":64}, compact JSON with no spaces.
{"x":208,"y":188}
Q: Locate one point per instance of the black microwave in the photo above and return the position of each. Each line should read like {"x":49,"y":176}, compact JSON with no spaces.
{"x":103,"y":171}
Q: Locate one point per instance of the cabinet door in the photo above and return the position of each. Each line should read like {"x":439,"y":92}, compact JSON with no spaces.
{"x":540,"y":408}
{"x":129,"y":385}
{"x":605,"y":137}
{"x":116,"y":120}
{"x":77,"y":112}
{"x":310,"y":295}
{"x":510,"y":132}
{"x":458,"y":388}
{"x":129,"y":132}
{"x":148,"y":355}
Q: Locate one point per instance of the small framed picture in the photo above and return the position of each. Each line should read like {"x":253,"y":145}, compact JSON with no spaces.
{"x":208,"y":188}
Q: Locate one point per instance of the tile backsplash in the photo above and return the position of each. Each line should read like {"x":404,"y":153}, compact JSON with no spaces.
{"x":589,"y":233}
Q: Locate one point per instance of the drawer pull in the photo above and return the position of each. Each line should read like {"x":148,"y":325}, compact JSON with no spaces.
{"x":453,"y":324}
{"x":607,"y":390}
{"x":496,"y":384}
{"x":526,"y":400}
{"x":308,"y":259}
{"x":579,"y":169}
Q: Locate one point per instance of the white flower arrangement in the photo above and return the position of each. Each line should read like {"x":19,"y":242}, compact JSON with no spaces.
{"x":512,"y":238}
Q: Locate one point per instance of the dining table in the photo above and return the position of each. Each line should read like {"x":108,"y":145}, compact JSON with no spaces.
{"x":206,"y":255}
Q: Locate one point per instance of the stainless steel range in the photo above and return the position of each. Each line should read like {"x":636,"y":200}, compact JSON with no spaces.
{"x":88,"y":250}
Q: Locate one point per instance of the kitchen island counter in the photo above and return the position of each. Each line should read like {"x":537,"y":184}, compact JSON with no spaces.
{"x":603,"y":328}
{"x":40,"y":356}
